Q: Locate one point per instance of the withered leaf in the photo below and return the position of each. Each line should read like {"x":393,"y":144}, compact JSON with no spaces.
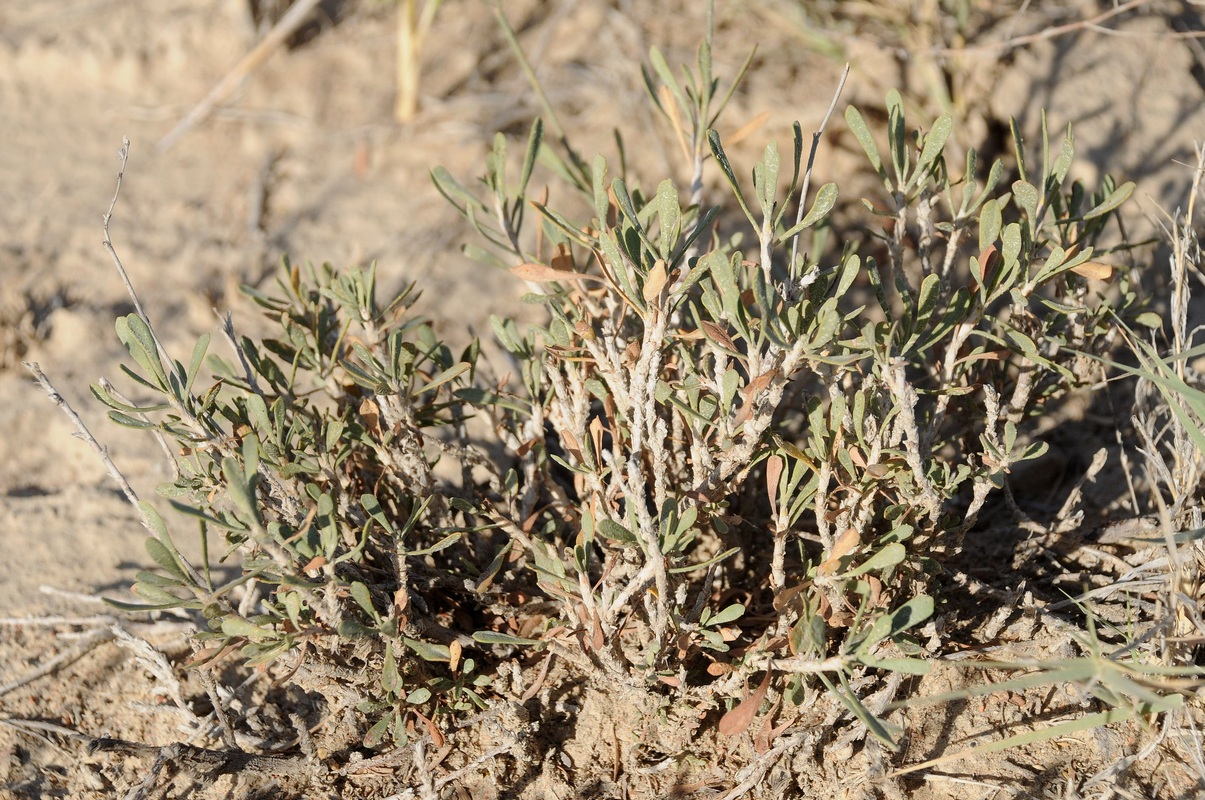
{"x":655,"y":281}
{"x":718,"y":335}
{"x":541,"y":273}
{"x":371,"y":413}
{"x":739,"y":718}
{"x":773,"y":472}
{"x":569,"y":442}
{"x":750,"y":127}
{"x":750,"y":393}
{"x":1094,"y":270}
{"x":844,"y":545}
{"x":596,"y":436}
{"x":988,"y":259}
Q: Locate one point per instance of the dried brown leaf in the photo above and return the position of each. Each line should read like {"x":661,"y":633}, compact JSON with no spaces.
{"x":988,"y":258}
{"x":371,"y":414}
{"x":750,"y":393}
{"x":774,"y":466}
{"x":597,"y":640}
{"x":740,"y":717}
{"x":844,"y":545}
{"x":569,"y":442}
{"x":436,"y":734}
{"x":596,"y":436}
{"x":719,"y":335}
{"x":748,"y":129}
{"x":655,"y":281}
{"x":1094,"y":270}
{"x":538,"y":683}
{"x":855,"y":455}
{"x":784,"y":598}
{"x":541,"y":273}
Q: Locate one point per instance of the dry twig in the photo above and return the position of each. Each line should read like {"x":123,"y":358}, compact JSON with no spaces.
{"x":281,"y":31}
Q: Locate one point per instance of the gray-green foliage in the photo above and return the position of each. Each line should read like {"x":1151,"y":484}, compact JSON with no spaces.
{"x":875,"y":392}
{"x":719,"y":457}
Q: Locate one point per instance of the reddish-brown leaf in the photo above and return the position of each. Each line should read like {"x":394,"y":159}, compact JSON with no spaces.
{"x":541,"y":273}
{"x":436,"y":734}
{"x":844,"y":545}
{"x":750,"y":393}
{"x":784,"y":598}
{"x":569,"y":442}
{"x":718,"y":335}
{"x":769,"y":732}
{"x":1094,"y":270}
{"x":740,"y":717}
{"x":597,"y":640}
{"x":583,"y":329}
{"x":855,"y":455}
{"x":655,"y":282}
{"x":596,"y":436}
{"x":773,"y":473}
{"x":538,"y":683}
{"x":988,"y":259}
{"x":372,"y":416}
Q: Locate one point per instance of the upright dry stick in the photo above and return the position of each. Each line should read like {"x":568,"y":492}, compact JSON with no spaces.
{"x":281,"y":31}
{"x":82,"y":432}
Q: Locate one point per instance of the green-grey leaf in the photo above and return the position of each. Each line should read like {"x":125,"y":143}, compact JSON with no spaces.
{"x":164,"y":557}
{"x":237,"y":626}
{"x":136,"y":335}
{"x":857,"y":124}
{"x":909,"y":615}
{"x":126,"y":421}
{"x":1115,"y":199}
{"x":428,"y":651}
{"x":240,"y":490}
{"x":721,"y":158}
{"x":935,"y":142}
{"x":363,"y":598}
{"x":442,"y":544}
{"x":448,"y":374}
{"x":613,"y":530}
{"x":704,"y":564}
{"x":908,"y":666}
{"x":1026,"y":196}
{"x":826,"y":198}
{"x":198,"y":357}
{"x":726,"y":615}
{"x":669,"y":217}
{"x":419,"y":696}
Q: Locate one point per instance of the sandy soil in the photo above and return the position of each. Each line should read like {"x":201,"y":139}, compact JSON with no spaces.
{"x":309,"y":140}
